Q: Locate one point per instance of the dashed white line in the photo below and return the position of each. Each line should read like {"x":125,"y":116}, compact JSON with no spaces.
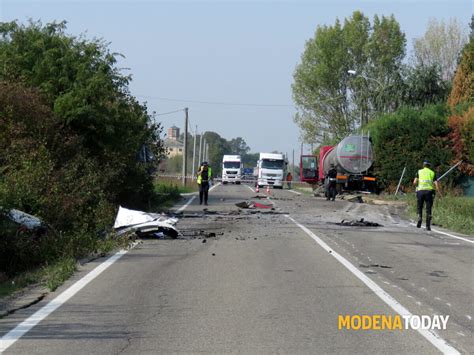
{"x":429,"y":335}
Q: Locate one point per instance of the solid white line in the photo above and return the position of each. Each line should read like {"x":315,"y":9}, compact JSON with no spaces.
{"x":186,"y":205}
{"x":21,"y":329}
{"x":449,"y":235}
{"x":429,"y":335}
{"x":295,"y":192}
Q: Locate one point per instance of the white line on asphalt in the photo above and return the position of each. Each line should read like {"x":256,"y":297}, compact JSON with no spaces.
{"x":295,"y":192}
{"x":186,"y":204}
{"x":21,"y":329}
{"x":449,"y":235}
{"x":250,"y":188}
{"x":192,"y":199}
{"x":429,"y":335}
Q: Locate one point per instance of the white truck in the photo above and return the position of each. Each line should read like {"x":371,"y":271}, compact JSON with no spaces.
{"x":270,"y":170}
{"x":231,"y":169}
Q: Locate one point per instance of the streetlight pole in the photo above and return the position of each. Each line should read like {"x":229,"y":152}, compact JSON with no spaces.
{"x":380,"y":91}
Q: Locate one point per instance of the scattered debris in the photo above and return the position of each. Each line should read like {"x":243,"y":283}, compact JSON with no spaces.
{"x":204,"y":240}
{"x":24,"y":219}
{"x":145,"y":224}
{"x":359,"y":223}
{"x":213,"y":254}
{"x":351,"y":198}
{"x":252,"y":205}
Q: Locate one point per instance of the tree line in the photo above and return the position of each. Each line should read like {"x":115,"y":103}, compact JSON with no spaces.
{"x":70,"y":137}
{"x":355,"y":75}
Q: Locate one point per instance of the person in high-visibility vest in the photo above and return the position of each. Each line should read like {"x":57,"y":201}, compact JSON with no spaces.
{"x":204,"y":177}
{"x":426,"y":184}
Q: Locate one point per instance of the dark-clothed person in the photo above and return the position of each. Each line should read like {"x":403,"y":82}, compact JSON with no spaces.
{"x":426,"y":184}
{"x":289,"y":179}
{"x":331,"y":178}
{"x":203,"y":180}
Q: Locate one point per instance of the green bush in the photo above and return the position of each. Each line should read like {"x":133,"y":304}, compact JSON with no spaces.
{"x":406,"y":138}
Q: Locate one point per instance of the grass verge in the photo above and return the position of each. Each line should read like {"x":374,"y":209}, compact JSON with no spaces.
{"x":450,"y":211}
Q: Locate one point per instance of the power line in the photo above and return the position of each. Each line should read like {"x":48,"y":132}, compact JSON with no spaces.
{"x":215,"y":102}
{"x":168,"y":113}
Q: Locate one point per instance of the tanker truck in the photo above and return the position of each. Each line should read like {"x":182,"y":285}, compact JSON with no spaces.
{"x":352,"y":158}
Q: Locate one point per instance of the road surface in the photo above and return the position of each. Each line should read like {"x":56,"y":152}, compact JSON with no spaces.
{"x":269,"y":281}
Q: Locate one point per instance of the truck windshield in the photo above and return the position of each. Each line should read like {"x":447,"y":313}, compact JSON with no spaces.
{"x":272,"y":164}
{"x":231,"y":165}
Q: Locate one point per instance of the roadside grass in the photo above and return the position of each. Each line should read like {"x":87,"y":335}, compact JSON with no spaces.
{"x":303,"y":188}
{"x":168,"y":191}
{"x":54,"y":274}
{"x":450,"y":211}
{"x":50,"y":276}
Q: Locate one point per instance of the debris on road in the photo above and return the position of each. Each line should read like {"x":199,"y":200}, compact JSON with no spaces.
{"x":359,"y":223}
{"x":252,"y":205}
{"x":351,"y":198}
{"x":145,"y":224}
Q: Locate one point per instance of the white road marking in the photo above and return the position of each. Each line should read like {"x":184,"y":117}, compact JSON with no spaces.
{"x":468,"y":317}
{"x":24,"y":327}
{"x":448,"y":304}
{"x":186,"y":205}
{"x":21,"y":329}
{"x":437,"y":299}
{"x":250,"y":188}
{"x":449,"y":235}
{"x":429,"y":335}
{"x":295,"y":192}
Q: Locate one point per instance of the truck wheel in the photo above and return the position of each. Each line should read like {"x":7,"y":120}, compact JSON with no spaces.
{"x":237,"y":182}
{"x":224,"y":182}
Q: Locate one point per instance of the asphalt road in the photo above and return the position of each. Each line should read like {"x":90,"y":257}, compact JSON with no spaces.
{"x":263,"y":285}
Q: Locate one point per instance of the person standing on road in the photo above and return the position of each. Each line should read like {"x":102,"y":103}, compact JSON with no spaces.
{"x":204,"y":176}
{"x":289,"y":179}
{"x":331,"y":180}
{"x":425,"y":182}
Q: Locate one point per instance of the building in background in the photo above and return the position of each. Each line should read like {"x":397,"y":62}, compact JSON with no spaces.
{"x":173,"y":146}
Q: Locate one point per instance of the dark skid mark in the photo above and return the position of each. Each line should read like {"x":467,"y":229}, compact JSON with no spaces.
{"x":437,"y":273}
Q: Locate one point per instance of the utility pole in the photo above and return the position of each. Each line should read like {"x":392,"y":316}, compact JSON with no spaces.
{"x":200,"y":149}
{"x":204,"y":150}
{"x":185,"y":156}
{"x":194,"y":149}
{"x":293,"y":164}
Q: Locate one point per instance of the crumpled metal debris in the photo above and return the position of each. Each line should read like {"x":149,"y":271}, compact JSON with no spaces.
{"x":252,"y":205}
{"x":359,"y":223}
{"x":24,"y":219}
{"x":145,"y":223}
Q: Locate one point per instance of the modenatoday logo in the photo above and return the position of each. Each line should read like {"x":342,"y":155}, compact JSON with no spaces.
{"x":389,"y":322}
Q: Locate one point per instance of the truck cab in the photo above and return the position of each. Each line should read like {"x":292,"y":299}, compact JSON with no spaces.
{"x":231,"y":169}
{"x":271,"y":169}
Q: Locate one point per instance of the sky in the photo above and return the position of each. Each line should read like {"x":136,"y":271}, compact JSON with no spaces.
{"x":230,"y":62}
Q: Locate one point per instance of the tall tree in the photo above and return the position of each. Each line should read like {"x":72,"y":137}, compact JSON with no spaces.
{"x":441,"y":45}
{"x":87,"y":91}
{"x":331,"y":102}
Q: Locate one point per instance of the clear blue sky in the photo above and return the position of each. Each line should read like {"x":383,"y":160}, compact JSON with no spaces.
{"x":222,"y":51}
